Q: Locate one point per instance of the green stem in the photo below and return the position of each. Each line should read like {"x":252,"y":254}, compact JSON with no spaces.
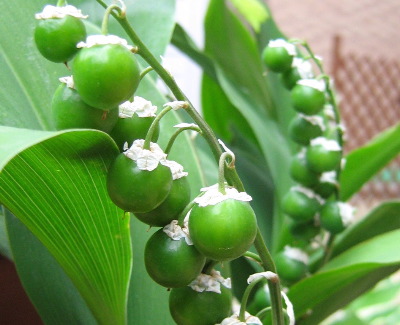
{"x":262,"y":312}
{"x":61,"y":3}
{"x":274,"y":287}
{"x":175,"y":135}
{"x":245,"y":298}
{"x":109,"y":9}
{"x":221,"y":171}
{"x":328,"y":249}
{"x":209,"y":266}
{"x":145,"y":71}
{"x":185,"y":211}
{"x":253,"y":256}
{"x":153,"y":127}
{"x":230,"y":173}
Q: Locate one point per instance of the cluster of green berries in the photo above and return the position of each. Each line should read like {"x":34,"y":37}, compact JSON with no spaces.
{"x":312,"y":203}
{"x":105,"y":72}
{"x":219,"y":225}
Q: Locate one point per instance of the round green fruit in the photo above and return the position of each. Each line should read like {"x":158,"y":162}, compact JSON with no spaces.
{"x":105,"y":75}
{"x":56,"y":38}
{"x":171,"y":207}
{"x":301,"y":173}
{"x":223,"y":231}
{"x":331,"y":218}
{"x":70,"y":111}
{"x":278,"y":55}
{"x":189,"y":307}
{"x":302,"y":128}
{"x":307,"y":98}
{"x":136,"y":190}
{"x":323,"y":156}
{"x":172,"y":263}
{"x":300,"y":206}
{"x":290,"y":268}
{"x":326,"y":186}
{"x":132,"y":128}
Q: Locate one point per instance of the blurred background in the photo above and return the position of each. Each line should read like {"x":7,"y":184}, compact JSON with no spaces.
{"x":360,"y":44}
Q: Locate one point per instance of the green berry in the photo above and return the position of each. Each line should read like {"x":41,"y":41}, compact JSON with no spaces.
{"x":300,"y":204}
{"x":323,"y":155}
{"x":308,"y":96}
{"x":278,"y":55}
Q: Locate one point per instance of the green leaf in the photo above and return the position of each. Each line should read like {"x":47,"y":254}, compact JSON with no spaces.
{"x":223,"y":117}
{"x":333,"y":290}
{"x":377,"y":250}
{"x":229,"y":43}
{"x":253,"y":11}
{"x":184,"y":43}
{"x":346,"y":277}
{"x":384,"y":218}
{"x":53,"y":294}
{"x":26,"y":79}
{"x":57,"y":189}
{"x":365,"y":162}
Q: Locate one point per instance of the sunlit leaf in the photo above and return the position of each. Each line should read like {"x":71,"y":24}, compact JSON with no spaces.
{"x":366,"y":161}
{"x":56,"y":187}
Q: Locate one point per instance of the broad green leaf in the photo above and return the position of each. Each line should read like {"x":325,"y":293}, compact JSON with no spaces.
{"x":333,"y":290}
{"x":57,"y":189}
{"x":346,"y":277}
{"x":365,"y":162}
{"x":221,"y":114}
{"x":184,"y":43}
{"x":384,"y":218}
{"x":379,"y":304}
{"x":52,"y":292}
{"x":153,"y":20}
{"x":27,"y":80}
{"x":253,"y":11}
{"x":377,"y":250}
{"x":229,"y":43}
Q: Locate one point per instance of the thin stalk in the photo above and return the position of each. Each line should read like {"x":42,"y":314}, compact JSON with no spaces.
{"x":104,"y":24}
{"x":145,"y":71}
{"x":274,"y":287}
{"x":262,"y":312}
{"x":61,"y":3}
{"x":328,"y":249}
{"x":230,"y":173}
{"x":209,"y":266}
{"x":175,"y":135}
{"x":245,"y":298}
{"x":153,"y":127}
{"x":253,"y":256}
{"x":221,"y":171}
{"x":185,"y":211}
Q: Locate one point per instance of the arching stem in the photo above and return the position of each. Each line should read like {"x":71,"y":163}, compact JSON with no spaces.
{"x":109,"y":9}
{"x":176,"y":133}
{"x":144,"y":72}
{"x":153,"y":127}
